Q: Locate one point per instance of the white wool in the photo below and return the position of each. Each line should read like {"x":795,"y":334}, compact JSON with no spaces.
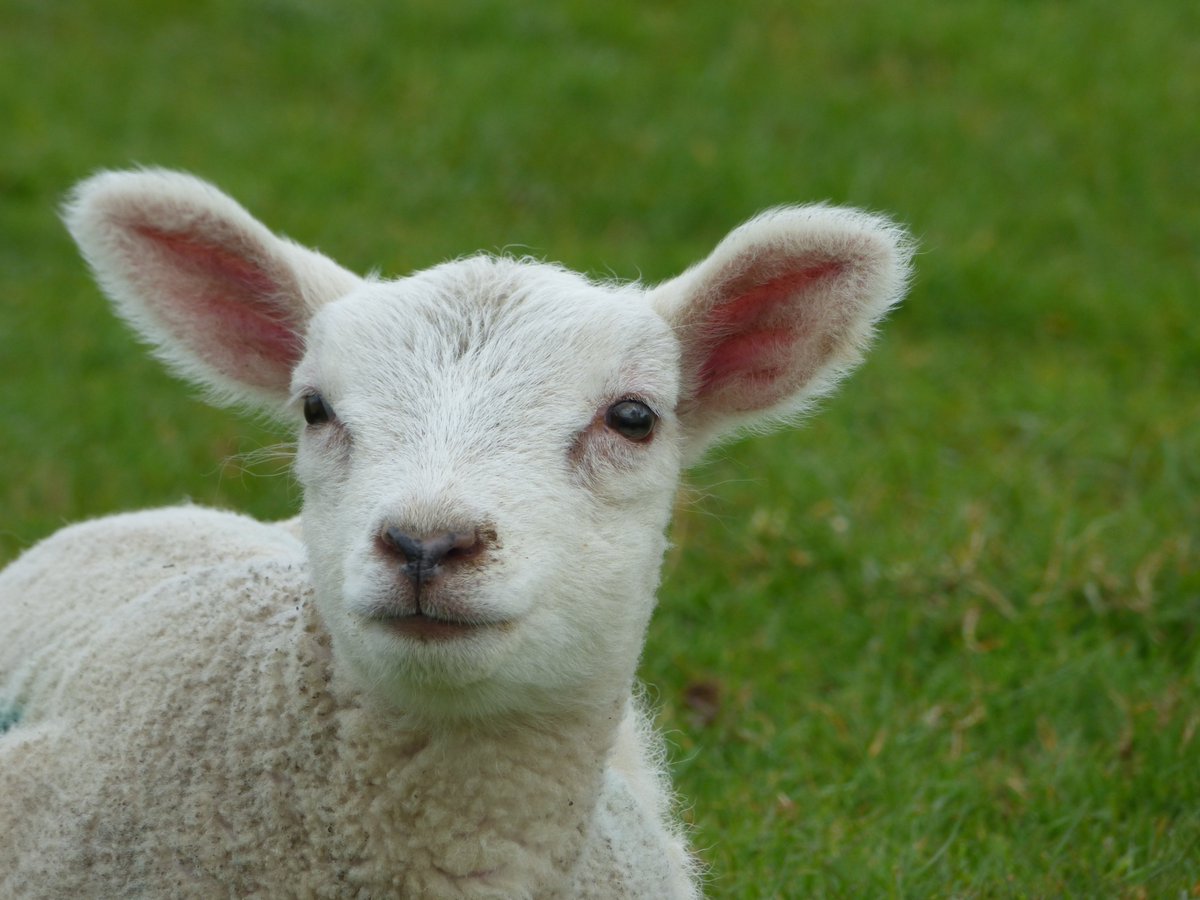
{"x":424,"y":687}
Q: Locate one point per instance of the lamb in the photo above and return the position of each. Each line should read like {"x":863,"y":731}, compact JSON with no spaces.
{"x":423,"y":686}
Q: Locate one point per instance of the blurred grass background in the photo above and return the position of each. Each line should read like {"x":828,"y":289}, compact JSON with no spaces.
{"x":942,"y":641}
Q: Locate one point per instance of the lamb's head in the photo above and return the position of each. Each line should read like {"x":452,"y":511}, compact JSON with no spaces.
{"x":489,"y":449}
{"x":488,"y":464}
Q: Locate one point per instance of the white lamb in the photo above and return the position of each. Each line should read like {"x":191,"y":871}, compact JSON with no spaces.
{"x":424,"y":687}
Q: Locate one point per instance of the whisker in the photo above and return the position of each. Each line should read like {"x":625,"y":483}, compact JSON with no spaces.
{"x":264,"y":462}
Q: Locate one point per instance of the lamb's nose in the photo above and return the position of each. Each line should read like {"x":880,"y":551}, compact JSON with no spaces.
{"x":422,"y":558}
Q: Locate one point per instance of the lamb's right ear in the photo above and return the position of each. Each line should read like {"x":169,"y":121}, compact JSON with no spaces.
{"x":222,"y":299}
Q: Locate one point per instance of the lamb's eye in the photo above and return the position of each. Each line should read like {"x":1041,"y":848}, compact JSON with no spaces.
{"x":316,"y":410}
{"x":631,"y":419}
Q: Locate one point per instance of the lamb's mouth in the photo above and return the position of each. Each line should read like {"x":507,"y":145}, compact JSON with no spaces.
{"x":424,"y":627}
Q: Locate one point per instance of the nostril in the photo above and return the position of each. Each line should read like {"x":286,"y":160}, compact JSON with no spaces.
{"x":397,"y":542}
{"x":455,"y":545}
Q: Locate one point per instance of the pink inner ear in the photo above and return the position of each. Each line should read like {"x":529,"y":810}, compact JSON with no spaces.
{"x":230,"y":308}
{"x":214,"y":261}
{"x":754,"y":335}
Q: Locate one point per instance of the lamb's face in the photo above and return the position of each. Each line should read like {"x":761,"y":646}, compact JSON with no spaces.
{"x":489,"y":464}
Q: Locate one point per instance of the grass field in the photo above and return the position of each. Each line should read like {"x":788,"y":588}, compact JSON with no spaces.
{"x":940,"y":642}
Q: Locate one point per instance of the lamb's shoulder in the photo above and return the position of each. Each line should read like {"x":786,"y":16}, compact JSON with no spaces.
{"x":90,"y":582}
{"x":207,"y":674}
{"x":114,"y":558}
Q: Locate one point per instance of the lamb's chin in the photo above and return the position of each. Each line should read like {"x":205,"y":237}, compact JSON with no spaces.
{"x":420,"y":653}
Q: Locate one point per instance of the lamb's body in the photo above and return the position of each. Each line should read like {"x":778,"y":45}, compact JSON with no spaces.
{"x":255,"y":775}
{"x":426,"y":690}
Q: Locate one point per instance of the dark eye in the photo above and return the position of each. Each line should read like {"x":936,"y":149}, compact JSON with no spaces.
{"x":631,"y":418}
{"x":316,"y":410}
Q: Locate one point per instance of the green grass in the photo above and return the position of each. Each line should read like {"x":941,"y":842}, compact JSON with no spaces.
{"x":942,"y":641}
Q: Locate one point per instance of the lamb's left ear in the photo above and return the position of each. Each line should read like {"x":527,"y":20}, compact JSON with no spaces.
{"x":778,"y":313}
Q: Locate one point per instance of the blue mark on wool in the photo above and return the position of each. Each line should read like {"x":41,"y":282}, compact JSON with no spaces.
{"x":9,"y":716}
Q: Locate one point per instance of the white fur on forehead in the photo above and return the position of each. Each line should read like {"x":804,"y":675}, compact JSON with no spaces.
{"x":500,"y":321}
